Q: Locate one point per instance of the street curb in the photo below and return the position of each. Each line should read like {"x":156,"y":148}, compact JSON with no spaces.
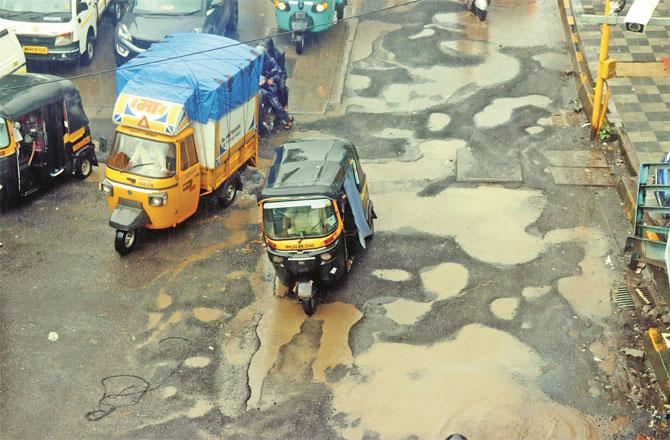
{"x":337,"y":91}
{"x":626,"y":189}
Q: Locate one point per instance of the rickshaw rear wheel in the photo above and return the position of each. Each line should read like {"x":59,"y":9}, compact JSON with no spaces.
{"x":339,"y":10}
{"x":125,"y":241}
{"x":227,"y":193}
{"x":308,"y":305}
{"x":84,"y":167}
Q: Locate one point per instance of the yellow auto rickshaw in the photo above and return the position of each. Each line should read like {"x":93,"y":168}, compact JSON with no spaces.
{"x":44,"y":133}
{"x":316,"y":213}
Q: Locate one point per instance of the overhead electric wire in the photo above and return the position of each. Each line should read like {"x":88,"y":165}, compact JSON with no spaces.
{"x":178,"y":57}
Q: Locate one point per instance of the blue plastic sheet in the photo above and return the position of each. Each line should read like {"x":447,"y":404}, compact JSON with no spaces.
{"x":221,"y":76}
{"x":356,"y":204}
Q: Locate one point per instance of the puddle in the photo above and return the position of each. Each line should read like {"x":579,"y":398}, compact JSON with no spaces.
{"x":206,"y":314}
{"x":406,"y":312}
{"x":397,"y":275}
{"x":437,"y":121}
{"x":154,"y":319}
{"x":500,"y":110}
{"x":588,"y":292}
{"x":485,"y":388}
{"x":534,"y":292}
{"x":357,"y":82}
{"x":553,"y":61}
{"x":423,"y":34}
{"x":534,"y":129}
{"x":367,"y":33}
{"x":437,"y":161}
{"x":168,"y":391}
{"x":200,"y":408}
{"x":338,"y":318}
{"x":446,"y":280}
{"x":607,"y":358}
{"x":504,"y":308}
{"x":163,"y":301}
{"x":197,"y":362}
{"x":488,"y":222}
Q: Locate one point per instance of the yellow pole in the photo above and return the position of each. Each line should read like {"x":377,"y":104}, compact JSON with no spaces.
{"x":600,"y":76}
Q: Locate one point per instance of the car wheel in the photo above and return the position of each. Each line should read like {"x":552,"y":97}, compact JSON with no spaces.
{"x":87,"y":57}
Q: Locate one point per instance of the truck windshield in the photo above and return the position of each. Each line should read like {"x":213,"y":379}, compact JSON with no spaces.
{"x":10,"y":8}
{"x":4,"y":134}
{"x":143,"y":157}
{"x":167,"y":7}
{"x":299,"y":218}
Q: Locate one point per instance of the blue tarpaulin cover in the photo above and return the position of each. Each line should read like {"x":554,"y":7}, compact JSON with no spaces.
{"x":208,"y":84}
{"x":356,"y":204}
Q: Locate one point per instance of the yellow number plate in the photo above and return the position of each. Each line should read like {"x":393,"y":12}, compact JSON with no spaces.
{"x":36,"y":49}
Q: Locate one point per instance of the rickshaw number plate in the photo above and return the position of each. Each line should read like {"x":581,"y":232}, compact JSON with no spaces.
{"x":300,"y":15}
{"x":36,"y":49}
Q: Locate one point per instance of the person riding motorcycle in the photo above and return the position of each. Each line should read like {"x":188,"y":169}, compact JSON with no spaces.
{"x":273,"y":83}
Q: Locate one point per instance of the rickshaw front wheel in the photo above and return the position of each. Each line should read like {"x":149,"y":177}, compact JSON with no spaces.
{"x":308,"y":305}
{"x":299,"y":44}
{"x":84,"y":167}
{"x":125,"y":241}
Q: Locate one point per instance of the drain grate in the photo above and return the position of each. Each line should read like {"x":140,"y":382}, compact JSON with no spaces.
{"x":646,"y":298}
{"x":622,"y":298}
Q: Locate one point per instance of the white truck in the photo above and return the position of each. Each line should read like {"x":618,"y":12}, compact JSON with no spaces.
{"x":57,"y":30}
{"x":12,"y":60}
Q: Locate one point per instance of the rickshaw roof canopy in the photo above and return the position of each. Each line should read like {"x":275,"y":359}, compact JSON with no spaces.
{"x":308,"y":167}
{"x":208,"y":74}
{"x":21,"y":94}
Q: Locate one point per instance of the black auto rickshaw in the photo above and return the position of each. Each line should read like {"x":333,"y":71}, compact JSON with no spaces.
{"x":43,"y":133}
{"x":316,"y":214}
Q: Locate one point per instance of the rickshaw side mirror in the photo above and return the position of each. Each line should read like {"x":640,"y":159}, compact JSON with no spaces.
{"x":102,"y":144}
{"x":17,"y":125}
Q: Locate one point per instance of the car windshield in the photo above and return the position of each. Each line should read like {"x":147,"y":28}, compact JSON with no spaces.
{"x":167,"y":7}
{"x":39,"y":7}
{"x":299,"y":218}
{"x":143,"y":157}
{"x":4,"y":134}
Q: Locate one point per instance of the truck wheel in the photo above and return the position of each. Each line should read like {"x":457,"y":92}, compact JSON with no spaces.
{"x":228,"y":192}
{"x":308,"y":305}
{"x":125,"y":241}
{"x":87,"y":57}
{"x":84,"y":167}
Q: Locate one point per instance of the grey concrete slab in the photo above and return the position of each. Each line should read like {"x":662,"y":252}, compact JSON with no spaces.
{"x":581,"y":176}
{"x":566,"y":158}
{"x":486,"y":170}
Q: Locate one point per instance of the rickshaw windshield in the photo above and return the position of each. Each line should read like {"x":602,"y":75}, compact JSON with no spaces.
{"x":4,"y":134}
{"x":299,"y":219}
{"x":143,"y":157}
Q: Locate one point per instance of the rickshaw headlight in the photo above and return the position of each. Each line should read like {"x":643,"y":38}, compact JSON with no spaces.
{"x":282,"y":6}
{"x":326,"y":256}
{"x":277,"y":259}
{"x":107,"y":187}
{"x":320,"y":7}
{"x":159,"y":199}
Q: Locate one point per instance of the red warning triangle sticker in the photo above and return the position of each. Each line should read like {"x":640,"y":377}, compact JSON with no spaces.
{"x":144,"y":123}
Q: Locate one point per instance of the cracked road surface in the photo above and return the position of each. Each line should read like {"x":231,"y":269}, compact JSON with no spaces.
{"x":478,"y":308}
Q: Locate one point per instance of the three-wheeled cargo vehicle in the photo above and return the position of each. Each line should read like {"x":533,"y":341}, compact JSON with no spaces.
{"x":185,"y":129}
{"x":43,"y":133}
{"x":316,"y":214}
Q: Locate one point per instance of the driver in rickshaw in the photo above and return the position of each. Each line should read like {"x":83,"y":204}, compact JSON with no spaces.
{"x":152,"y":157}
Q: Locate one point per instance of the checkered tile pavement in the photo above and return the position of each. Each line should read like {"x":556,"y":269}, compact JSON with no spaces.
{"x":642,"y":104}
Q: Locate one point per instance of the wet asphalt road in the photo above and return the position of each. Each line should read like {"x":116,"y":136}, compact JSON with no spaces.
{"x":479,"y":307}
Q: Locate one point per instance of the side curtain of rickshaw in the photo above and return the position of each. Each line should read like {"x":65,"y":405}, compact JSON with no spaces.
{"x":76,"y":117}
{"x":356,"y":205}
